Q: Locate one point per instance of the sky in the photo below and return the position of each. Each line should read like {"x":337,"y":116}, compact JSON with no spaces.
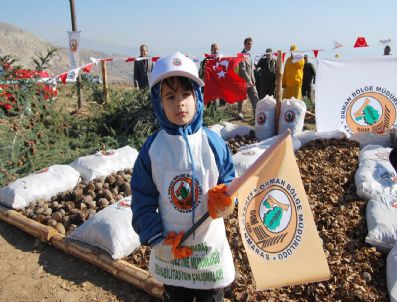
{"x":120,"y":26}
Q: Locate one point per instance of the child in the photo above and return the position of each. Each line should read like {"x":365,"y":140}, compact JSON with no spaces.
{"x":177,"y":168}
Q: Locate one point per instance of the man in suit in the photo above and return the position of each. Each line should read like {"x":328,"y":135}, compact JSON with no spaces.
{"x":246,"y":71}
{"x":142,"y":69}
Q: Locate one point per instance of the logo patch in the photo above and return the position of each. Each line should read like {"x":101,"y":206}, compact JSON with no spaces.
{"x":73,"y":45}
{"x":261,"y":119}
{"x":180,"y":193}
{"x":289,"y":116}
{"x":368,"y":111}
{"x":177,"y":62}
{"x":273,"y":220}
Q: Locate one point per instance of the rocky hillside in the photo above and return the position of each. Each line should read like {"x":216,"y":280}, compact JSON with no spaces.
{"x":24,"y":45}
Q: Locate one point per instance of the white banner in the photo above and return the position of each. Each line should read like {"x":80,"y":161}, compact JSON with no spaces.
{"x":74,"y":46}
{"x":356,"y":95}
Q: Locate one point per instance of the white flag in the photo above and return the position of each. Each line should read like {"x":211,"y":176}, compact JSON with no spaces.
{"x":74,"y":46}
{"x":356,"y":95}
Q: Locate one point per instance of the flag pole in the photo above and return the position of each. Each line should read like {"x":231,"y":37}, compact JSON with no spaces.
{"x":279,"y":87}
{"x":238,"y":182}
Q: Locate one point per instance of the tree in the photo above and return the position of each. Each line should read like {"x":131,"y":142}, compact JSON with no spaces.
{"x":42,"y":61}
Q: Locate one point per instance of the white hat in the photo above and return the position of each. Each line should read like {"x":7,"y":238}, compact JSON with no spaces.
{"x":172,"y":66}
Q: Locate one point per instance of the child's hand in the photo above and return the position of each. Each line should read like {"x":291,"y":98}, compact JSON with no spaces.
{"x":219,"y":203}
{"x":170,"y":249}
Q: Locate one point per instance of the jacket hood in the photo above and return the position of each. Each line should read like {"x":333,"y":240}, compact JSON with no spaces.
{"x":169,"y":127}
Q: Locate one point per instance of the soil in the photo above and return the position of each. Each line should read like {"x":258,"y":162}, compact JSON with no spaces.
{"x":34,"y":271}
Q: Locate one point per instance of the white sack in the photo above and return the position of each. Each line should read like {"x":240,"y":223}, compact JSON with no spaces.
{"x":381,"y":215}
{"x":42,"y":184}
{"x":265,"y":118}
{"x":374,"y":153}
{"x":248,"y":154}
{"x":391,"y":274}
{"x":308,"y":136}
{"x":217,"y":128}
{"x":110,"y":230}
{"x":231,"y":130}
{"x":292,"y":116}
{"x":372,"y":139}
{"x":104,"y":163}
{"x":374,"y":176}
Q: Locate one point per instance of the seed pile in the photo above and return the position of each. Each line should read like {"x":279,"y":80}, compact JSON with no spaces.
{"x":358,"y":271}
{"x":238,"y":141}
{"x":67,"y":210}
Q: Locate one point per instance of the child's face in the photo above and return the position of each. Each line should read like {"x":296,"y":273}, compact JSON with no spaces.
{"x":179,"y":104}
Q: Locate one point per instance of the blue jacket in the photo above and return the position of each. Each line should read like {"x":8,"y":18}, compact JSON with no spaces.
{"x":146,"y":219}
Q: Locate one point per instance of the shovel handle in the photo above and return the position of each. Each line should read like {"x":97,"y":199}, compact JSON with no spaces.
{"x":194,"y":227}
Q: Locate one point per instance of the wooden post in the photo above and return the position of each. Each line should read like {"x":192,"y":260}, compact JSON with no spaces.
{"x":279,"y":87}
{"x":104,"y":81}
{"x":80,"y":99}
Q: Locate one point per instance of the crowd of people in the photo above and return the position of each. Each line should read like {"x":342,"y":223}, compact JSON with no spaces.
{"x":298,"y":76}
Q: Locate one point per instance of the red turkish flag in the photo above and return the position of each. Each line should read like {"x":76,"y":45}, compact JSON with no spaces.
{"x":222,"y":80}
{"x":360,"y":42}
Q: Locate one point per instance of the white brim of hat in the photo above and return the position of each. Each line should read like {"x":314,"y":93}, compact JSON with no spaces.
{"x":176,"y":73}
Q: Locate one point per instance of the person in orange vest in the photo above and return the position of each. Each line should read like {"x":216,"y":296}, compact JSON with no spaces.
{"x":293,"y":76}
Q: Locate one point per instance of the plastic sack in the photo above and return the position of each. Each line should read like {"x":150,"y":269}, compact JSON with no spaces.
{"x":103,"y":163}
{"x":248,"y":154}
{"x":110,"y":230}
{"x":391,"y":274}
{"x":217,"y":128}
{"x":265,"y":118}
{"x":375,"y":174}
{"x":381,"y":216}
{"x":292,"y":116}
{"x":42,"y":184}
{"x":230,"y":130}
{"x":374,"y":153}
{"x":308,"y":136}
{"x":371,"y":139}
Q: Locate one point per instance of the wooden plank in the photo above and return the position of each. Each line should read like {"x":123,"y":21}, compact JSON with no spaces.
{"x":120,"y":269}
{"x":34,"y":228}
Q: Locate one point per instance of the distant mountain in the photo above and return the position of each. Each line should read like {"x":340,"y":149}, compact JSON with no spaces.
{"x":24,"y":46}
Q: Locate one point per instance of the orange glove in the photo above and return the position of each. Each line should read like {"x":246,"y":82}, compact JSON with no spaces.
{"x":219,"y":203}
{"x":172,"y":239}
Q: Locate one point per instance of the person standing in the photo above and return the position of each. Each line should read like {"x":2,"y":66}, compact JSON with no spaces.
{"x":181,"y":173}
{"x":267,"y":68}
{"x":214,"y":54}
{"x":246,"y":71}
{"x":309,"y":76}
{"x":142,"y":69}
{"x":386,"y":51}
{"x":293,"y":76}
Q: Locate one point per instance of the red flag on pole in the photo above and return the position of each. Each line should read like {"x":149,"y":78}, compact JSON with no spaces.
{"x":360,"y":42}
{"x":222,"y":80}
